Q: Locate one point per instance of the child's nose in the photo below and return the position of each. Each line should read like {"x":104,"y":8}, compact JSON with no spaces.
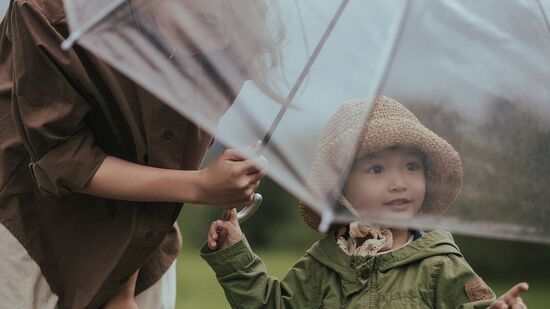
{"x":397,"y":183}
{"x":398,"y":188}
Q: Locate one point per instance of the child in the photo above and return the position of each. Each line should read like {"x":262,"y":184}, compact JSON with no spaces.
{"x":401,"y":169}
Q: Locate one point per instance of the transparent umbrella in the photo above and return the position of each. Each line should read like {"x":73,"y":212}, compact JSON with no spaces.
{"x":468,"y":70}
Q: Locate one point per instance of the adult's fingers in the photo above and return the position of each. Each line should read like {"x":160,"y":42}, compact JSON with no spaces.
{"x":243,"y":200}
{"x":260,"y":163}
{"x":257,"y":176}
{"x":249,"y":167}
{"x":233,"y":155}
{"x":256,"y":185}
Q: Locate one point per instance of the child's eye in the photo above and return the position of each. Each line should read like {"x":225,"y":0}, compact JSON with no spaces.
{"x":413,"y":166}
{"x":377,"y":169}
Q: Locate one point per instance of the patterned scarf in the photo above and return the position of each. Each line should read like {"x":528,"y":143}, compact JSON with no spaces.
{"x":364,"y":239}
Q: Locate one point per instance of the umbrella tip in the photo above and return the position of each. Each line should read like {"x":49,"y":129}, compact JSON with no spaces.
{"x":327,"y":217}
{"x":69,"y":42}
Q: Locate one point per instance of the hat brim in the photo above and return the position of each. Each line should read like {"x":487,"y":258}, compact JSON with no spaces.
{"x":444,"y":177}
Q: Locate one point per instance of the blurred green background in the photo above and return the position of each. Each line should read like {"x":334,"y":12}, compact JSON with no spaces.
{"x":280,"y":238}
{"x":506,"y":159}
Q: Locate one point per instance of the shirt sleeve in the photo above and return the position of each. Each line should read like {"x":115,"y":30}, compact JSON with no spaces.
{"x":458,"y":286}
{"x":50,"y":102}
{"x":244,"y":279}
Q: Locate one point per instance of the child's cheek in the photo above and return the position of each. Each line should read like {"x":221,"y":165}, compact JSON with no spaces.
{"x":371,"y":197}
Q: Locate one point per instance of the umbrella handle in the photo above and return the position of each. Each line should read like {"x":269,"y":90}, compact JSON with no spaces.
{"x":247,"y":211}
{"x":243,"y":215}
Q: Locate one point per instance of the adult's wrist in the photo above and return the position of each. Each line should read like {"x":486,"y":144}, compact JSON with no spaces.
{"x":193,"y":187}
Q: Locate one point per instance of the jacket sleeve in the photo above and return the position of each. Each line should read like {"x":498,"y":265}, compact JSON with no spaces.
{"x":50,"y":100}
{"x":459,"y":287}
{"x":244,"y":279}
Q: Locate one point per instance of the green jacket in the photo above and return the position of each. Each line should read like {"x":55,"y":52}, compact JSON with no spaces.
{"x":428,"y":273}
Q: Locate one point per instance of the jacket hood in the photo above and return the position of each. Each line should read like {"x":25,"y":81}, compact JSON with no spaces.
{"x":349,"y":268}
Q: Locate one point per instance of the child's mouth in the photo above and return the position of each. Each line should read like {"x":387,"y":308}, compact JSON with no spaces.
{"x":399,"y":204}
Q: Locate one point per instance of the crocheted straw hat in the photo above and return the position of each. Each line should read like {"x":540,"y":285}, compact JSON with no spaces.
{"x":388,"y":124}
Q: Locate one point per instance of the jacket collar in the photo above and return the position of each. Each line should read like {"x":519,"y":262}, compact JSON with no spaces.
{"x":354,"y":271}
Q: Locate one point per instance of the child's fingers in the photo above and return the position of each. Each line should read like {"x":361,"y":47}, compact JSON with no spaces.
{"x":222,"y":238}
{"x":519,"y":304}
{"x":520,"y":288}
{"x":213,"y":235}
{"x":230,"y":228}
{"x":499,"y":304}
{"x":513,"y":294}
{"x":213,"y":230}
{"x":234,"y":218}
{"x":212,"y":244}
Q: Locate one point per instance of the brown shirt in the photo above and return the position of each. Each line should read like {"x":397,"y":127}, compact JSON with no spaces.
{"x":61,"y":112}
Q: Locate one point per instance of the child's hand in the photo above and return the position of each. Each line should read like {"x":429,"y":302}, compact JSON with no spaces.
{"x":511,"y":299}
{"x":224,"y":234}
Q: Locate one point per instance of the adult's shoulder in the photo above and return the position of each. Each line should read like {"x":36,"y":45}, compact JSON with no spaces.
{"x":53,"y":10}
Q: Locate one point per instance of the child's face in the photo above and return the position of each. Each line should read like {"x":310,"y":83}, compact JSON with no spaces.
{"x":390,"y":182}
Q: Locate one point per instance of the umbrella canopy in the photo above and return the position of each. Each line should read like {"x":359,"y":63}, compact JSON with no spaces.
{"x":3,"y":7}
{"x":468,"y":70}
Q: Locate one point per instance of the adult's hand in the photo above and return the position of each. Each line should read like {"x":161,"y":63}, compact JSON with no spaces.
{"x":230,"y":181}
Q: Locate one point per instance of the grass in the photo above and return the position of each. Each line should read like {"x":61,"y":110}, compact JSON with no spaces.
{"x":198,"y":288}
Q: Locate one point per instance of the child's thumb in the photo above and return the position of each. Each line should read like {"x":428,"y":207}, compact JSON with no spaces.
{"x":234,"y":217}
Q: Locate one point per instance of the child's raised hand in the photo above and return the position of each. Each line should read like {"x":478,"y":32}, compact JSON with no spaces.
{"x":511,"y":299}
{"x":224,"y":234}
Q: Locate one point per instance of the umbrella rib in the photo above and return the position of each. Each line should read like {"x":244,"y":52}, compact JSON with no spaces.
{"x":380,"y":82}
{"x":302,"y":26}
{"x":303,"y":74}
{"x":543,"y":12}
{"x":91,"y":23}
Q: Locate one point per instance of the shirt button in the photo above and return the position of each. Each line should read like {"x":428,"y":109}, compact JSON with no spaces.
{"x":149,"y":237}
{"x":365,"y":273}
{"x":168,"y":134}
